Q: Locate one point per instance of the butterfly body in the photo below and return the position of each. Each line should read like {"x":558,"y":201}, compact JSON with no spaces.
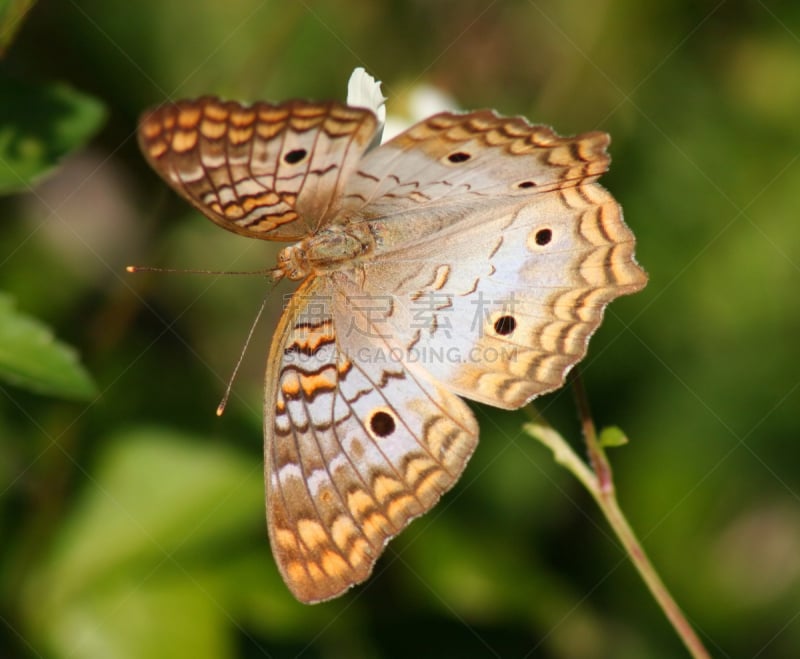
{"x":332,"y":249}
{"x":472,"y":255}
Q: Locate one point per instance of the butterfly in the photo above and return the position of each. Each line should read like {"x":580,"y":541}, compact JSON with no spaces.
{"x":471,"y":256}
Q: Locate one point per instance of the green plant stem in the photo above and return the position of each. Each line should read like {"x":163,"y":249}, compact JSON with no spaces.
{"x":600,"y":483}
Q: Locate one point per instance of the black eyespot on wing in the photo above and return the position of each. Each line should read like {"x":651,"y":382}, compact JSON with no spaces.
{"x":382,"y":423}
{"x":459,"y":156}
{"x":526,"y":184}
{"x":543,"y":236}
{"x":505,"y":325}
{"x":295,"y":156}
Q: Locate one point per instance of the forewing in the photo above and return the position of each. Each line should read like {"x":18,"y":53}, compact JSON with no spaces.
{"x":498,"y":247}
{"x":266,"y":171}
{"x":451,"y":160}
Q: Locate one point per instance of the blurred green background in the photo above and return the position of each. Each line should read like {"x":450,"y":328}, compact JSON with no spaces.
{"x":131,"y":522}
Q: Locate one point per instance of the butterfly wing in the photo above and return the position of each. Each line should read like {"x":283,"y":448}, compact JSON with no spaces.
{"x":354,"y":450}
{"x":499,"y":248}
{"x":266,"y":171}
{"x":452,"y":160}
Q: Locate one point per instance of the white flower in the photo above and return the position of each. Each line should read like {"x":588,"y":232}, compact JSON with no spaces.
{"x":363,"y":91}
{"x":420,"y":102}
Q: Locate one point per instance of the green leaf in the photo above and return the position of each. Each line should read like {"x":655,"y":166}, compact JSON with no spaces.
{"x":138,"y":561}
{"x":39,"y":125}
{"x":155,"y":492}
{"x":160,"y":620}
{"x":32,"y":358}
{"x":12,"y":13}
{"x":612,"y":436}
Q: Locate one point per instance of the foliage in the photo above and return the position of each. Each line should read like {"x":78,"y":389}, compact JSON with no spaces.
{"x":40,"y":124}
{"x":30,"y":357}
{"x":132,"y":519}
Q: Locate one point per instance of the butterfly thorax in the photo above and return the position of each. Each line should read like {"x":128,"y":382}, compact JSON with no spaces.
{"x":331,"y":249}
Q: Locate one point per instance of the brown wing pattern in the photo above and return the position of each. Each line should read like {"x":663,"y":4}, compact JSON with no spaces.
{"x":497,"y":246}
{"x":265,"y":171}
{"x":354,"y":450}
{"x":463,"y":158}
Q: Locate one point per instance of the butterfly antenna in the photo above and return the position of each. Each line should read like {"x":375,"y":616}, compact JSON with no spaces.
{"x":146,"y":268}
{"x":224,"y":402}
{"x":276,"y":274}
